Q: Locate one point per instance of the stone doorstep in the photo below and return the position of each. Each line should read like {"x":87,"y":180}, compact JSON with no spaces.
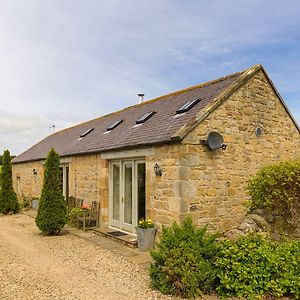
{"x":128,"y":240}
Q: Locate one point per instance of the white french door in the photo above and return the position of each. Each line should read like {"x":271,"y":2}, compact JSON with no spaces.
{"x":127,"y":193}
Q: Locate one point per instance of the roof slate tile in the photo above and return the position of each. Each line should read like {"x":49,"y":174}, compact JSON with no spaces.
{"x":156,"y":130}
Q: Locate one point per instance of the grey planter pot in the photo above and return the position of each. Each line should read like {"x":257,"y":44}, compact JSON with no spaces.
{"x":145,"y":238}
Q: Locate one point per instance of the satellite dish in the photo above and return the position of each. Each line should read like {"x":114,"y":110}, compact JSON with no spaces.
{"x":214,"y":141}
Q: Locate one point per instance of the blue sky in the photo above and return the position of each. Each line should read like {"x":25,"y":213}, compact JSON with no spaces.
{"x":67,"y":61}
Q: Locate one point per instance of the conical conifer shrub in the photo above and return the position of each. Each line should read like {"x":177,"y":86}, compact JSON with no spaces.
{"x":8,"y":198}
{"x":51,"y":216}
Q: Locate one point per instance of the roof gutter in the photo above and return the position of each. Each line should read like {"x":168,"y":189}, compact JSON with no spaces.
{"x":167,"y":142}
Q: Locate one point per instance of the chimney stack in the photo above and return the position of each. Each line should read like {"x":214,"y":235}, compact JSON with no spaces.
{"x":141,"y":96}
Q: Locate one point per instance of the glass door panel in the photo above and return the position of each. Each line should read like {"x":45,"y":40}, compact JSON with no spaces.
{"x":67,"y":183}
{"x":116,"y":192}
{"x":64,"y":180}
{"x":141,"y":183}
{"x":61,"y":178}
{"x":128,"y":193}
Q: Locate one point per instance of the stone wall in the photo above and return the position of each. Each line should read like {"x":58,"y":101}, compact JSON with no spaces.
{"x":211,"y":185}
{"x":163,"y":193}
{"x":88,"y":180}
{"x":217,"y":182}
{"x":28,"y":185}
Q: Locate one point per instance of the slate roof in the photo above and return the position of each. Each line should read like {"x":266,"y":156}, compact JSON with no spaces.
{"x":159,"y":129}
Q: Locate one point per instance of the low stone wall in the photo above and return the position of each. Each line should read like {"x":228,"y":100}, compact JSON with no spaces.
{"x":260,"y":221}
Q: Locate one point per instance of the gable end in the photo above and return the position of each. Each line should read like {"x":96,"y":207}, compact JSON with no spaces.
{"x":223,"y":96}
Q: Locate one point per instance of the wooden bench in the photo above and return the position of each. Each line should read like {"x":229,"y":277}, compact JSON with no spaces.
{"x":73,"y":202}
{"x":90,"y":217}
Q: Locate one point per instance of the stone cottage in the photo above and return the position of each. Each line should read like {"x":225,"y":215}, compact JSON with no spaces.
{"x":188,"y":152}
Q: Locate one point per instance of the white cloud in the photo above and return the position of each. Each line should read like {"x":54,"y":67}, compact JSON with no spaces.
{"x":20,"y":131}
{"x":66,"y":61}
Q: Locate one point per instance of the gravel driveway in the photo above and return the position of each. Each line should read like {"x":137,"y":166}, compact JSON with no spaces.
{"x":33,"y":266}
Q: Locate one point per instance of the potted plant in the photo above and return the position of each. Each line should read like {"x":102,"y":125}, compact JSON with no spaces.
{"x":145,"y":232}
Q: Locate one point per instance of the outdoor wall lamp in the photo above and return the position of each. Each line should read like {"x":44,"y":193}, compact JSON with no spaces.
{"x":34,"y":171}
{"x":157,"y":170}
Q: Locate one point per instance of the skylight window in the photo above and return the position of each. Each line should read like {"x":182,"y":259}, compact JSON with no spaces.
{"x":145,"y":117}
{"x":86,"y":132}
{"x":114,"y":125}
{"x":187,"y":106}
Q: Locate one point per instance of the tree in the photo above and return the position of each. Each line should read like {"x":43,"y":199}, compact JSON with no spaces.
{"x":11,"y":157}
{"x":8,"y":197}
{"x":51,"y":216}
{"x":0,"y":181}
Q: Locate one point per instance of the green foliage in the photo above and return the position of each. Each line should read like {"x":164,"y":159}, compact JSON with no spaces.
{"x":183,"y":261}
{"x":276,"y":189}
{"x":0,"y":178}
{"x":1,"y":158}
{"x":252,"y":266}
{"x":189,"y":262}
{"x":289,"y":271}
{"x":51,"y":216}
{"x":26,"y":202}
{"x":8,"y":198}
{"x":73,"y":214}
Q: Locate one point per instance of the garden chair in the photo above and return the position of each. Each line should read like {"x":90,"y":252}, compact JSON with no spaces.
{"x":79,"y":202}
{"x":90,"y":217}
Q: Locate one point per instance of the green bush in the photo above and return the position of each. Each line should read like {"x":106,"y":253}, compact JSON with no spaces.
{"x":183,"y":261}
{"x":276,"y":189}
{"x":0,"y":177}
{"x":73,"y":214}
{"x":8,"y":198}
{"x":289,"y":271}
{"x":26,"y":202}
{"x":51,"y":216}
{"x":253,"y":266}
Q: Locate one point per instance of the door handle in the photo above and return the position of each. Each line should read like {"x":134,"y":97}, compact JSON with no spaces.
{"x":122,"y":200}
